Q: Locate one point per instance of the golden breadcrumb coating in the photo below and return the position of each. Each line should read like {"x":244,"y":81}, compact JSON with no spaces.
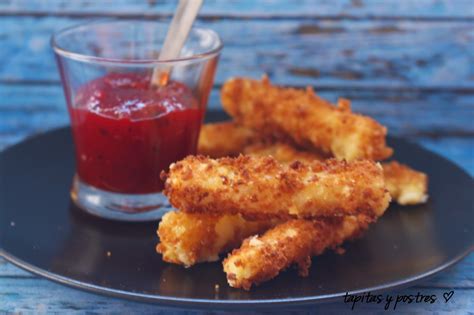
{"x":282,"y":152}
{"x":305,"y":118}
{"x":190,"y":238}
{"x":294,"y":242}
{"x":224,"y":139}
{"x":229,"y":139}
{"x":261,"y":187}
{"x":406,"y":186}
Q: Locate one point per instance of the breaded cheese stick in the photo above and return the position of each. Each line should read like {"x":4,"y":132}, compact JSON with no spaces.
{"x":305,"y":118}
{"x":294,"y":242}
{"x":224,"y":139}
{"x":406,"y":186}
{"x":261,"y":187}
{"x":190,"y":238}
{"x":283,"y":153}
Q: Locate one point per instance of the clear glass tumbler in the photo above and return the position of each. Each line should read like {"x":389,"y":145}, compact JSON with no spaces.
{"x":127,"y":130}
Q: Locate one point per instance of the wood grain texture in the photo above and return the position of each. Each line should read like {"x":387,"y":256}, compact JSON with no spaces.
{"x":23,"y":293}
{"x":371,"y":54}
{"x":26,"y":109}
{"x":458,"y":150}
{"x":212,"y":9}
{"x":407,"y":63}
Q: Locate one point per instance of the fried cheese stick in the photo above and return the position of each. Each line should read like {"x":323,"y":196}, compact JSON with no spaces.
{"x":283,"y":152}
{"x":261,"y":258}
{"x":406,"y":185}
{"x":224,"y":139}
{"x":305,"y":118}
{"x":190,"y":238}
{"x":261,"y":187}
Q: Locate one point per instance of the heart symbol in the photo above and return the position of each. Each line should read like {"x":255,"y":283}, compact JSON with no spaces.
{"x":447,"y":296}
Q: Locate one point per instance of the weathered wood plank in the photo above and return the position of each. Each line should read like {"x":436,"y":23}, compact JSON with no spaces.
{"x":371,"y":51}
{"x":298,"y":52}
{"x":250,"y":9}
{"x":8,"y":270}
{"x":25,"y":109}
{"x":458,"y":150}
{"x":43,"y":296}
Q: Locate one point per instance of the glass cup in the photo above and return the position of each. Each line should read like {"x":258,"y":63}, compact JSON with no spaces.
{"x":126,"y":129}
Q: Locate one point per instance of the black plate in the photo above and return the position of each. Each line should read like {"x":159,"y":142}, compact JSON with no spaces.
{"x":42,"y":232}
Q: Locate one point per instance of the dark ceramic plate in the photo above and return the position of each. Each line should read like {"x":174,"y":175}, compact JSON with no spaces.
{"x":42,"y":232}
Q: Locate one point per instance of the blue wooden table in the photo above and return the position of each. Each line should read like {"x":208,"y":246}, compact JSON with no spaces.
{"x":410,"y":64}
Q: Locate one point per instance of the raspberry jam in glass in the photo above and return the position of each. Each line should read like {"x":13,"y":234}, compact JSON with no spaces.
{"x":126,"y":132}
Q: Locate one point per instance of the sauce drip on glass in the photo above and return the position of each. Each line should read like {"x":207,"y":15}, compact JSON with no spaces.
{"x":127,"y":132}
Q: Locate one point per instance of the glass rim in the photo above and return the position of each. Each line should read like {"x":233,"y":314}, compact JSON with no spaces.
{"x":96,"y":59}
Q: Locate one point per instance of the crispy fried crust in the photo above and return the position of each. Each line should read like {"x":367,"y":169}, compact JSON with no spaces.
{"x":406,"y":186}
{"x":224,"y":139}
{"x":294,"y":242}
{"x":282,"y":152}
{"x":261,"y":187}
{"x":190,"y":238}
{"x":305,"y":118}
